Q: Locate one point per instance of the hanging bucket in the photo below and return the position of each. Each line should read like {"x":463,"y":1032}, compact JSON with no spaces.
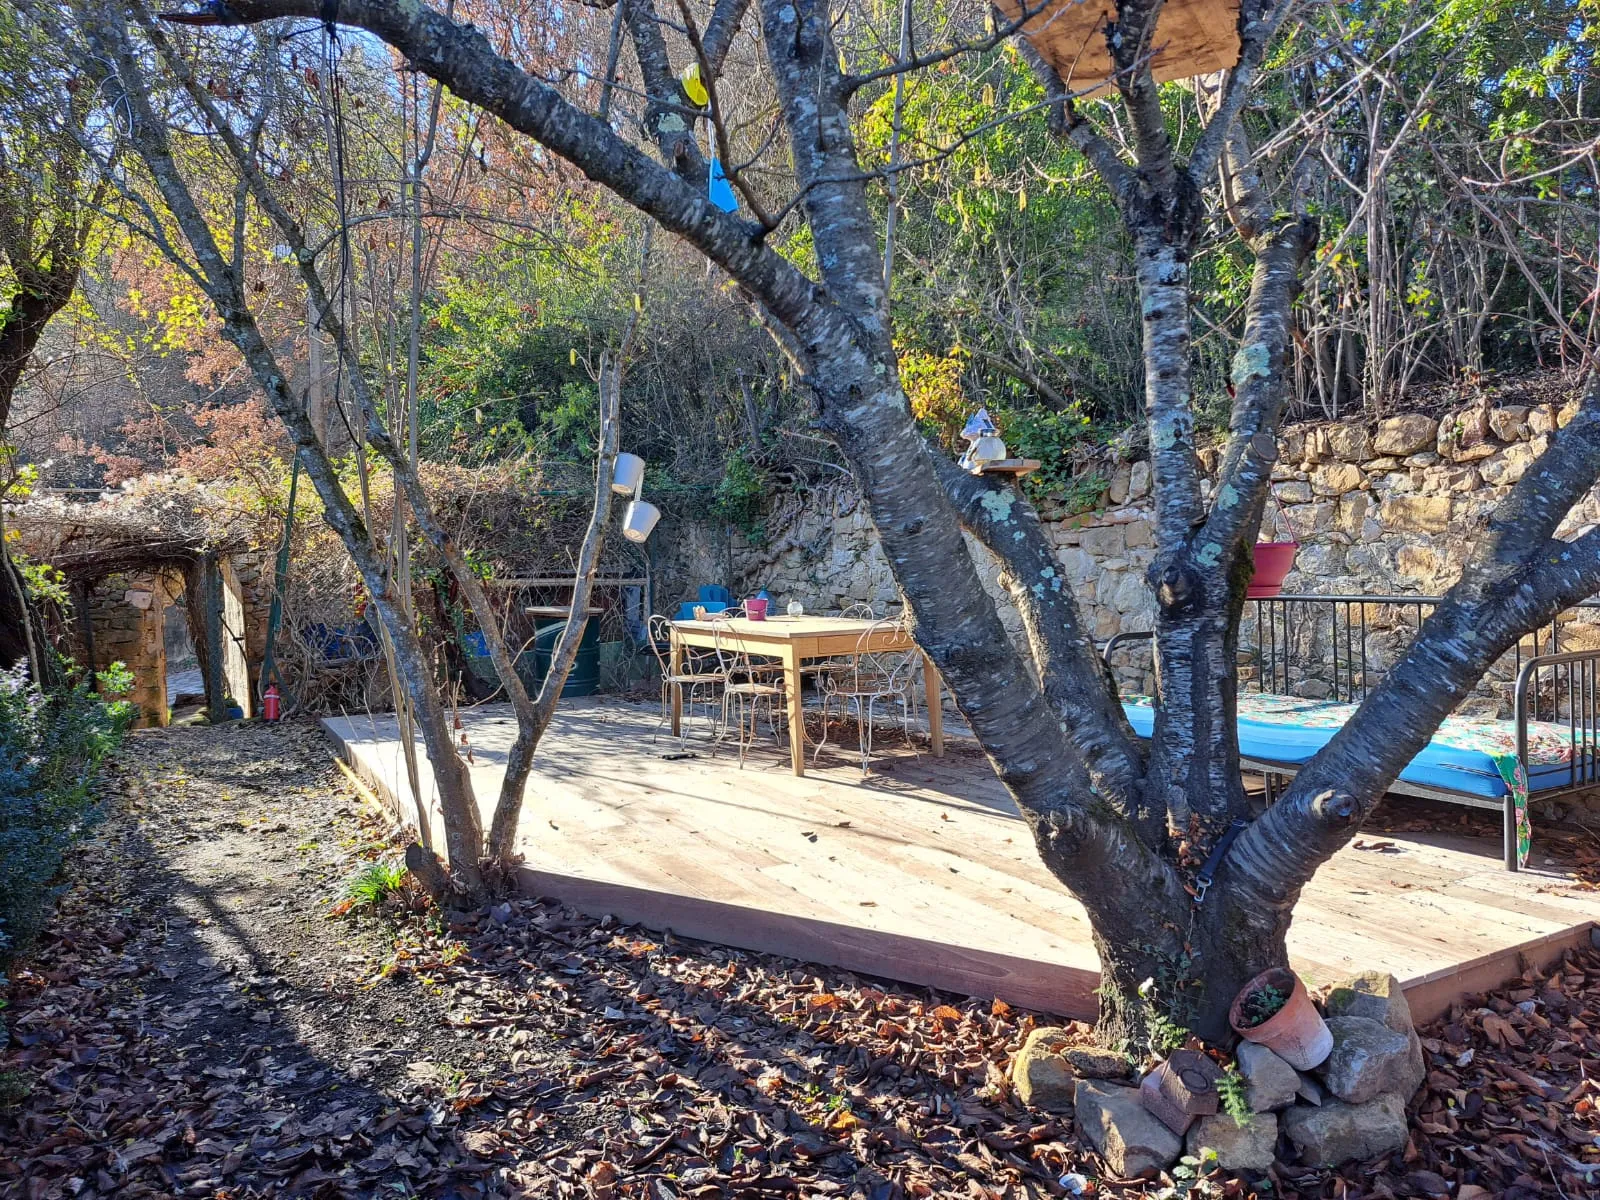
{"x":627,"y":474}
{"x":639,"y":519}
{"x":1273,"y":563}
{"x":987,"y":449}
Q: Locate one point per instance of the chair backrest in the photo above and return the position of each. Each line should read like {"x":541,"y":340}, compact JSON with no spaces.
{"x":661,"y":641}
{"x":859,"y":611}
{"x":715,"y":593}
{"x":880,"y":671}
{"x":733,"y":662}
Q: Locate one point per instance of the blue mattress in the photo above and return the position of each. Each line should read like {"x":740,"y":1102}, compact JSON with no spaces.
{"x":1298,"y":728}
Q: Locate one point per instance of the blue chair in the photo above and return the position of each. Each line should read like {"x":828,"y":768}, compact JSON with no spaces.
{"x":686,"y":609}
{"x":713,"y":593}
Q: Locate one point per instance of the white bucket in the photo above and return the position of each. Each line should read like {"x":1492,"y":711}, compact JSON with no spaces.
{"x":639,"y":519}
{"x":626,"y":474}
{"x":987,"y":449}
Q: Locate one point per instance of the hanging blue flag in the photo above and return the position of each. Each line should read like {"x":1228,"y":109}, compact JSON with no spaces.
{"x":979,"y":425}
{"x":721,"y":190}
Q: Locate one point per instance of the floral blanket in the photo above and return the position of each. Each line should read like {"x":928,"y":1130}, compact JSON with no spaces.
{"x":1549,"y":744}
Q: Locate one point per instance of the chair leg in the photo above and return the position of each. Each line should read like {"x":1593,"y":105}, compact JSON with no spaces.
{"x":823,"y":740}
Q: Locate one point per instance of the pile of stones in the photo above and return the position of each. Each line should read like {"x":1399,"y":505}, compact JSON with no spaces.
{"x":1351,"y":1106}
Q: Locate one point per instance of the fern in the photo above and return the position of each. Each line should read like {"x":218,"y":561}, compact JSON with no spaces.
{"x":1235,"y":1097}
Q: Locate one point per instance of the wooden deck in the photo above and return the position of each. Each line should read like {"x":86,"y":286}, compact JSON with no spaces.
{"x":925,"y":874}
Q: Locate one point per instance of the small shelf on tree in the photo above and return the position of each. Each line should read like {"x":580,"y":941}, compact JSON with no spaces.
{"x":1017,"y":467}
{"x":1193,"y":37}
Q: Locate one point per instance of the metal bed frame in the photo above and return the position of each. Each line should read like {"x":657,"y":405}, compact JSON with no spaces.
{"x":1561,"y":687}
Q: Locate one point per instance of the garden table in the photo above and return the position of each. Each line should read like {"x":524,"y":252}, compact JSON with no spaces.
{"x":794,"y":641}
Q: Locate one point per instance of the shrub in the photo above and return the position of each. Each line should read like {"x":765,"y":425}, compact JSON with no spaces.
{"x":50,"y":747}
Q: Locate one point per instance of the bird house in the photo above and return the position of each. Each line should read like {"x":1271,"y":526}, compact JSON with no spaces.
{"x":1192,"y":37}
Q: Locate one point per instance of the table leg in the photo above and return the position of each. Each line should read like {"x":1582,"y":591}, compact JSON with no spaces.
{"x":797,"y":721}
{"x":930,"y":693}
{"x":675,"y":691}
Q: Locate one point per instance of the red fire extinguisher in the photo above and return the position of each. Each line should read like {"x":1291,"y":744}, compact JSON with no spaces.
{"x":269,"y":703}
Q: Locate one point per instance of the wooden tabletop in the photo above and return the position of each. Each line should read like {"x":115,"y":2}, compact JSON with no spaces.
{"x":786,"y":628}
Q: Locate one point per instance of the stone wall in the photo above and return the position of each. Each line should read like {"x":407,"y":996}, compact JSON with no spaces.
{"x":129,"y":619}
{"x":1386,"y":508}
{"x":127,"y":614}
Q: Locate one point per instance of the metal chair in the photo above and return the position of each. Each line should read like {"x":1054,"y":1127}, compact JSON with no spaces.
{"x":748,"y":687}
{"x":871,"y":676}
{"x":861,"y":610}
{"x":697,"y":682}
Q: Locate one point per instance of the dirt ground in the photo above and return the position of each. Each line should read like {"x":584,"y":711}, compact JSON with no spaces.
{"x":202,"y":1019}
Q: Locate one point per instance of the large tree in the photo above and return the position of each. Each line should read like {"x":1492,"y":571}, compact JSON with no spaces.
{"x":48,"y":198}
{"x":1125,"y":826}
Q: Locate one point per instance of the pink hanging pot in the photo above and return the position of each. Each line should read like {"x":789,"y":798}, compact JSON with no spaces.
{"x":1273,"y":560}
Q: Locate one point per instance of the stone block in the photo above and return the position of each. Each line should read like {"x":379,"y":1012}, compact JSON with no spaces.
{"x":1508,"y":466}
{"x":1138,"y":480}
{"x":1509,"y":422}
{"x":1542,"y":419}
{"x":1116,"y":1124}
{"x":1294,"y":493}
{"x":1336,"y":478}
{"x":1405,"y":434}
{"x":1091,"y":1062}
{"x":1418,"y":562}
{"x":1339,"y":1132}
{"x":1416,"y":514}
{"x":1138,"y":533}
{"x":1375,"y":995}
{"x":1039,"y":1074}
{"x":1272,"y":1083}
{"x":1103,"y":541}
{"x":1250,"y":1147}
{"x":1368,"y":1059}
{"x":1351,"y":441}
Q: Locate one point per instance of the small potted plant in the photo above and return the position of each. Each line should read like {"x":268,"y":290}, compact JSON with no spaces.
{"x":1275,"y":1010}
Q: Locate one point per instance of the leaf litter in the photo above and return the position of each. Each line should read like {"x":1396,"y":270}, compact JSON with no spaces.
{"x":197,"y":1021}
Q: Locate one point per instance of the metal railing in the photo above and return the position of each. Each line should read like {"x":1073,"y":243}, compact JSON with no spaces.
{"x":1340,"y":646}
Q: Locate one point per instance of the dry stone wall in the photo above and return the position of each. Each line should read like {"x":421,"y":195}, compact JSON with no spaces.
{"x":1386,"y":508}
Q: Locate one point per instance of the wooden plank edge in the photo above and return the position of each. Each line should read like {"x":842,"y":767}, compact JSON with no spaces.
{"x":1431,"y":995}
{"x":1046,"y":987}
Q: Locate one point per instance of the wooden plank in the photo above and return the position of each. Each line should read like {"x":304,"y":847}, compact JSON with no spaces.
{"x":958,"y":899}
{"x":1192,"y":37}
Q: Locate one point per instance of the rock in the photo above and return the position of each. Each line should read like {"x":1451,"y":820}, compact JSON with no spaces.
{"x":1375,"y":995}
{"x":1336,"y":479}
{"x":1337,"y":1132}
{"x":1419,"y":514}
{"x":1040,"y":1072}
{"x":1294,"y":493}
{"x":1406,"y":434}
{"x":1116,"y":1124}
{"x":1090,"y":1062}
{"x":1272,"y":1083}
{"x":1368,"y":1059}
{"x":1138,"y":480}
{"x":1379,"y":996}
{"x":1509,"y":422}
{"x":1310,"y":1090}
{"x":1250,"y":1147}
{"x":1351,"y":442}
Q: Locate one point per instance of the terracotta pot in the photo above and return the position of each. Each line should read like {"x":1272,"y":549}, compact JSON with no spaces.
{"x":1273,"y":561}
{"x":1296,"y":1032}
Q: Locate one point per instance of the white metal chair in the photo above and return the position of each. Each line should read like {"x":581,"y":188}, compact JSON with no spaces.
{"x":748,"y":688}
{"x":698,"y":681}
{"x":872,"y":676}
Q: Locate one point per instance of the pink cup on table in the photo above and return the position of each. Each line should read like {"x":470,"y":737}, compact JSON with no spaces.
{"x":756,"y":610}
